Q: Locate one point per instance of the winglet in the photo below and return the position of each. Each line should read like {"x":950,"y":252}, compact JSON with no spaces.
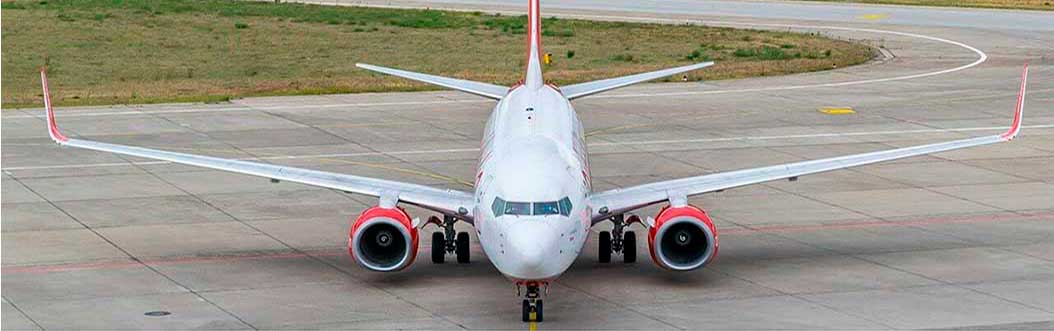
{"x":53,"y":129}
{"x":1018,"y":112}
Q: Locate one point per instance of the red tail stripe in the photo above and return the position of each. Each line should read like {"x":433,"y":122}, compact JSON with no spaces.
{"x":534,"y":28}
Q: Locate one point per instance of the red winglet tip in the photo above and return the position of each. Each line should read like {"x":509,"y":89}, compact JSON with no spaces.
{"x":53,"y":129}
{"x":1015,"y":127}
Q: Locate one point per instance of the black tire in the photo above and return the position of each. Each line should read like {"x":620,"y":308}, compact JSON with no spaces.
{"x":438,"y":247}
{"x":538,"y":310}
{"x":526,"y":311}
{"x":604,"y":249}
{"x":629,"y":247}
{"x":461,"y":248}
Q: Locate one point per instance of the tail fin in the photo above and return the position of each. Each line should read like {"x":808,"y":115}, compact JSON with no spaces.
{"x":533,"y":78}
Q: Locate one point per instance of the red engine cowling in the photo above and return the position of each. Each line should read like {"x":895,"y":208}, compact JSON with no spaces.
{"x":383,"y":239}
{"x":682,"y":238}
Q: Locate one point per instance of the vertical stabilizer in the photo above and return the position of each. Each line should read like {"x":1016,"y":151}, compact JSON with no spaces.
{"x":533,"y":78}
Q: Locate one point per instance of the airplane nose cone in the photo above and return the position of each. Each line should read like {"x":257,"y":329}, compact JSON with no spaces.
{"x":530,"y":246}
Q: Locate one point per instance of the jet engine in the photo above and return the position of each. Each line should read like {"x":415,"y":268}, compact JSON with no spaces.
{"x":682,"y":238}
{"x":383,"y":239}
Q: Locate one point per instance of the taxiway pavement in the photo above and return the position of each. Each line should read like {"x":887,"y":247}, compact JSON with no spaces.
{"x":955,"y":240}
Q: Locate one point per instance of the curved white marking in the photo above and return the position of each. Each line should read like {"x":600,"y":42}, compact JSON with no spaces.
{"x":982,"y":57}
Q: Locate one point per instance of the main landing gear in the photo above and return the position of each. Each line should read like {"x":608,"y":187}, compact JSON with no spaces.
{"x":532,"y":302}
{"x":619,"y":240}
{"x":449,"y":241}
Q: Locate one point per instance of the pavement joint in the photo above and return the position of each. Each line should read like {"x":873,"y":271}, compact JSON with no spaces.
{"x":20,"y":311}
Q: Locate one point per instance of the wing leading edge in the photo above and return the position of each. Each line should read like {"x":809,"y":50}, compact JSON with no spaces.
{"x":677,"y":191}
{"x":450,"y":202}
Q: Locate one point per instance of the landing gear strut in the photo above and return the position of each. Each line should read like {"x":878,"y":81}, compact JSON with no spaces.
{"x":618,"y":240}
{"x":532,"y":304}
{"x":449,"y":241}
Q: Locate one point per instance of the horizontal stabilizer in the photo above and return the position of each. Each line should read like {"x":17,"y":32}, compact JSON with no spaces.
{"x":594,"y":87}
{"x":481,"y":89}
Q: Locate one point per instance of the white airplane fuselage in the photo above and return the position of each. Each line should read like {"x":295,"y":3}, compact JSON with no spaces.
{"x":533,"y":154}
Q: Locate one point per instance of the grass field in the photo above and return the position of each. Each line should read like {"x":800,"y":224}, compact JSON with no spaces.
{"x":1004,"y":4}
{"x":145,"y":51}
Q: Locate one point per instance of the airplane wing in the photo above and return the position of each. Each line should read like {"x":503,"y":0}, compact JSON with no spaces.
{"x":588,"y":88}
{"x":492,"y":91}
{"x":677,"y":191}
{"x":449,"y":202}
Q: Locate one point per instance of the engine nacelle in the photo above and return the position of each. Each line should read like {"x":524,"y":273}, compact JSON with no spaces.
{"x":682,"y":238}
{"x":383,"y":239}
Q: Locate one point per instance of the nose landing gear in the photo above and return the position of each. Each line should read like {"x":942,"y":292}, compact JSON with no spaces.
{"x":532,"y":304}
{"x":449,"y":241}
{"x":619,"y":240}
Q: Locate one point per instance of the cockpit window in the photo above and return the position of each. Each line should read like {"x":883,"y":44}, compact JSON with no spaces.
{"x":517,"y":208}
{"x":501,"y":207}
{"x":498,"y":207}
{"x":565,"y":206}
{"x":546,"y":208}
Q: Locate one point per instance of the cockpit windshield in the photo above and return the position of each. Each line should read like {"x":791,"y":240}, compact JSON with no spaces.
{"x":502,"y":207}
{"x":546,"y":208}
{"x":517,"y":208}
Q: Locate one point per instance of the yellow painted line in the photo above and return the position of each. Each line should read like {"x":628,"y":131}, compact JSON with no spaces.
{"x":837,"y":110}
{"x":533,"y":325}
{"x":873,"y":17}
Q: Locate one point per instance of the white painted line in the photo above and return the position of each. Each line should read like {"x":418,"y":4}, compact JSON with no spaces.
{"x":624,"y":143}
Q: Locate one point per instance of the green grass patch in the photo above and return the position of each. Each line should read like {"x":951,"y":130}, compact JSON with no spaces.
{"x":144,"y":51}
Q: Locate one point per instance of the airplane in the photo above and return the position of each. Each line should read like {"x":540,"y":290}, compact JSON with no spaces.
{"x":533,"y":205}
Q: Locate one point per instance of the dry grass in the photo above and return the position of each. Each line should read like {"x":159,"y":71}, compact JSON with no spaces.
{"x":1004,"y":4}
{"x":143,"y":51}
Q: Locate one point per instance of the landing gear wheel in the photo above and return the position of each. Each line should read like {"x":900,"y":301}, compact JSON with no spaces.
{"x":438,"y":247}
{"x":629,"y":247}
{"x":461,"y":249}
{"x":532,"y":302}
{"x":535,"y":308}
{"x":604,"y":251}
{"x":538,"y":310}
{"x":526,"y":310}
